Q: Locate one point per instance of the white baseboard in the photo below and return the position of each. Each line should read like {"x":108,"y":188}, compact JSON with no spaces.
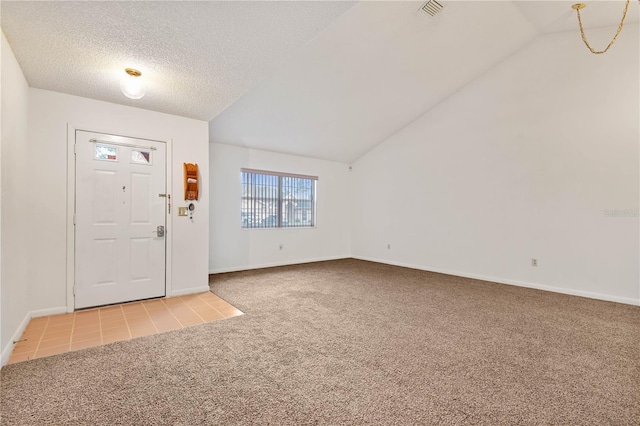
{"x":572,"y":292}
{"x":6,"y":352}
{"x":49,"y":311}
{"x":274,"y":264}
{"x":184,"y":291}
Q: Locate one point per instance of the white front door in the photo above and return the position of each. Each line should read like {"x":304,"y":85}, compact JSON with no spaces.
{"x":120,"y":207}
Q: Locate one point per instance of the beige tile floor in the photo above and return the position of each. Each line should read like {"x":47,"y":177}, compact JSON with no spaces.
{"x":46,"y":336}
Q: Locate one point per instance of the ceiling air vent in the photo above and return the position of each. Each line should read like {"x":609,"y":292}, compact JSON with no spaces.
{"x":432,"y":7}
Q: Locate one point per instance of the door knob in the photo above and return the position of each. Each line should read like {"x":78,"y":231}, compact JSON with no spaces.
{"x":160,"y":231}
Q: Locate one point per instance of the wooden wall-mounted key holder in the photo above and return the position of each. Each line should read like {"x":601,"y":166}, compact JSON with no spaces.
{"x":191,"y":181}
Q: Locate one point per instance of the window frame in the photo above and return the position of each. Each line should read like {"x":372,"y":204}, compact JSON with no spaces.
{"x":279,"y":199}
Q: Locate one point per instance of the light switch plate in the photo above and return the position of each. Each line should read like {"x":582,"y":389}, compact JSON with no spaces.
{"x":182,"y":211}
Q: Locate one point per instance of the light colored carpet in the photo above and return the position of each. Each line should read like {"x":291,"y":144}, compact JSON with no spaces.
{"x":352,"y":342}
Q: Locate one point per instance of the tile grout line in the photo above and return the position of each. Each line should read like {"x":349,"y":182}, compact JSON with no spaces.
{"x":193,"y":310}
{"x":73,"y":327}
{"x":186,"y":303}
{"x":35,"y":351}
{"x":214,"y":308}
{"x":150,"y":319}
{"x":100,"y":326}
{"x":126,"y":318}
{"x":172,"y":314}
{"x":32,"y":352}
{"x":13,"y":351}
{"x":126,"y":322}
{"x":73,"y":341}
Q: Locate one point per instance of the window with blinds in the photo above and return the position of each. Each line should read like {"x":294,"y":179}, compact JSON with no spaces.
{"x":277,"y":200}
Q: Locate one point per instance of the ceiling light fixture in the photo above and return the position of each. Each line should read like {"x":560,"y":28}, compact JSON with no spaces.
{"x":577,"y":7}
{"x":132,"y":85}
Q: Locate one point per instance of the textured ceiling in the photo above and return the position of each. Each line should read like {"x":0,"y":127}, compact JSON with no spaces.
{"x":323,"y":79}
{"x":196,"y":57}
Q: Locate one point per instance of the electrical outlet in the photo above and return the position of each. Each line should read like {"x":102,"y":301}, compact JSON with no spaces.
{"x":534,"y":262}
{"x":388,"y":246}
{"x":182,"y":211}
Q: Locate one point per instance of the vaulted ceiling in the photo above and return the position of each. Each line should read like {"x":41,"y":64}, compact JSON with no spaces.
{"x":325,"y":79}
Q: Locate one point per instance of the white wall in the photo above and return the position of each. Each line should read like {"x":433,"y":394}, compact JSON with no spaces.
{"x":520,"y":164}
{"x":15,"y":172}
{"x":49,"y":113}
{"x":232,"y":248}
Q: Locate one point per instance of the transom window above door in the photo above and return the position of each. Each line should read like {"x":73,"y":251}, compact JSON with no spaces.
{"x":277,"y":200}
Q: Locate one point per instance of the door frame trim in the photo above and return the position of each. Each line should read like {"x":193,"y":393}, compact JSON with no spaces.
{"x":71,"y":202}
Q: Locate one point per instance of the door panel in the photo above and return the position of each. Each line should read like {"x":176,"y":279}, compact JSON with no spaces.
{"x":105,"y":260}
{"x":104,"y":196}
{"x":140,"y":258}
{"x":119,"y":256}
{"x":140,"y":198}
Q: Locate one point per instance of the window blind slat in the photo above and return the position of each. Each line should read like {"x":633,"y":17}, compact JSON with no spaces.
{"x":277,"y":200}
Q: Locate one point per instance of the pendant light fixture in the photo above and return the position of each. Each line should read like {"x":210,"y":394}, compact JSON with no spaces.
{"x":578,"y":7}
{"x":132,"y":85}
